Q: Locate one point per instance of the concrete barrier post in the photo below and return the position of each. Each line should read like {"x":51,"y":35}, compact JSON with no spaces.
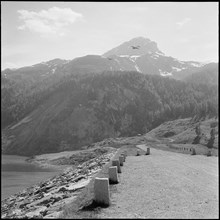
{"x":193,"y":152}
{"x":116,"y":163}
{"x":121,"y":159}
{"x":113,"y":175}
{"x":101,"y":191}
{"x":209,"y":153}
{"x":148,"y":151}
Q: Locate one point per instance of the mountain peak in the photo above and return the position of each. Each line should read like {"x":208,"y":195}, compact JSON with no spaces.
{"x":135,"y":46}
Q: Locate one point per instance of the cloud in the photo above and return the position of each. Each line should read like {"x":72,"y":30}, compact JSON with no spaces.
{"x":183,"y":22}
{"x":51,"y":21}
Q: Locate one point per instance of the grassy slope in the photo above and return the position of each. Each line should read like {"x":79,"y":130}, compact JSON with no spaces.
{"x":32,"y":131}
{"x":183,"y":131}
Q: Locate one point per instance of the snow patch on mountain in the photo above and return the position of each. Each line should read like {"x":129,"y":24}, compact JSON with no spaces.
{"x":196,"y":64}
{"x":180,"y":61}
{"x":155,"y":56}
{"x":136,"y":67}
{"x":135,"y":57}
{"x":124,"y":56}
{"x":176,"y":68}
{"x":165,"y":73}
{"x":53,"y":70}
{"x":132,"y":60}
{"x":160,"y":53}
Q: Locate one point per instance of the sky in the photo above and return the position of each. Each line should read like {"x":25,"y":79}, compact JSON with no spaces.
{"x":33,"y":32}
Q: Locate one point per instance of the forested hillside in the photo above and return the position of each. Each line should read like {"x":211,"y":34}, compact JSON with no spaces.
{"x":79,"y":110}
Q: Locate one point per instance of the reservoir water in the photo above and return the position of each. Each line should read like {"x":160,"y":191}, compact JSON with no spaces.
{"x":17,"y":174}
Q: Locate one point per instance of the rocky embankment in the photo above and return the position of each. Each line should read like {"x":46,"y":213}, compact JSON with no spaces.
{"x":46,"y":199}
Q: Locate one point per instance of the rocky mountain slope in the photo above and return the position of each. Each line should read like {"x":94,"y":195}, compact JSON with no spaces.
{"x":66,"y":104}
{"x":19,"y":86}
{"x":138,"y":54}
{"x":142,"y":54}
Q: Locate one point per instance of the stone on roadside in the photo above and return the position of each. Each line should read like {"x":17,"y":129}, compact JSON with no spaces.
{"x":116,"y":163}
{"x":113,"y":175}
{"x":121,"y":160}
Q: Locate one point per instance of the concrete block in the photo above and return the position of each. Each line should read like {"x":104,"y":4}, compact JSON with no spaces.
{"x":113,"y":174}
{"x":101,"y":191}
{"x":148,"y":151}
{"x":116,"y":163}
{"x":193,"y":151}
{"x":209,"y":153}
{"x":121,"y":159}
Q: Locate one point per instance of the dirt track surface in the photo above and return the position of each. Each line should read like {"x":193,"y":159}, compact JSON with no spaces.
{"x":165,"y":185}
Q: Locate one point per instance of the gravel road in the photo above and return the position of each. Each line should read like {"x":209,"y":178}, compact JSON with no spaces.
{"x":165,"y":185}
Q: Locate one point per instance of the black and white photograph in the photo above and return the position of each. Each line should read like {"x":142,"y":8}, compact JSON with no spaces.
{"x":109,"y":110}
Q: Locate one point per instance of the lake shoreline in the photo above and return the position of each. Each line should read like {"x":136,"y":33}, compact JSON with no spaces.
{"x":47,"y":198}
{"x":18,"y":174}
